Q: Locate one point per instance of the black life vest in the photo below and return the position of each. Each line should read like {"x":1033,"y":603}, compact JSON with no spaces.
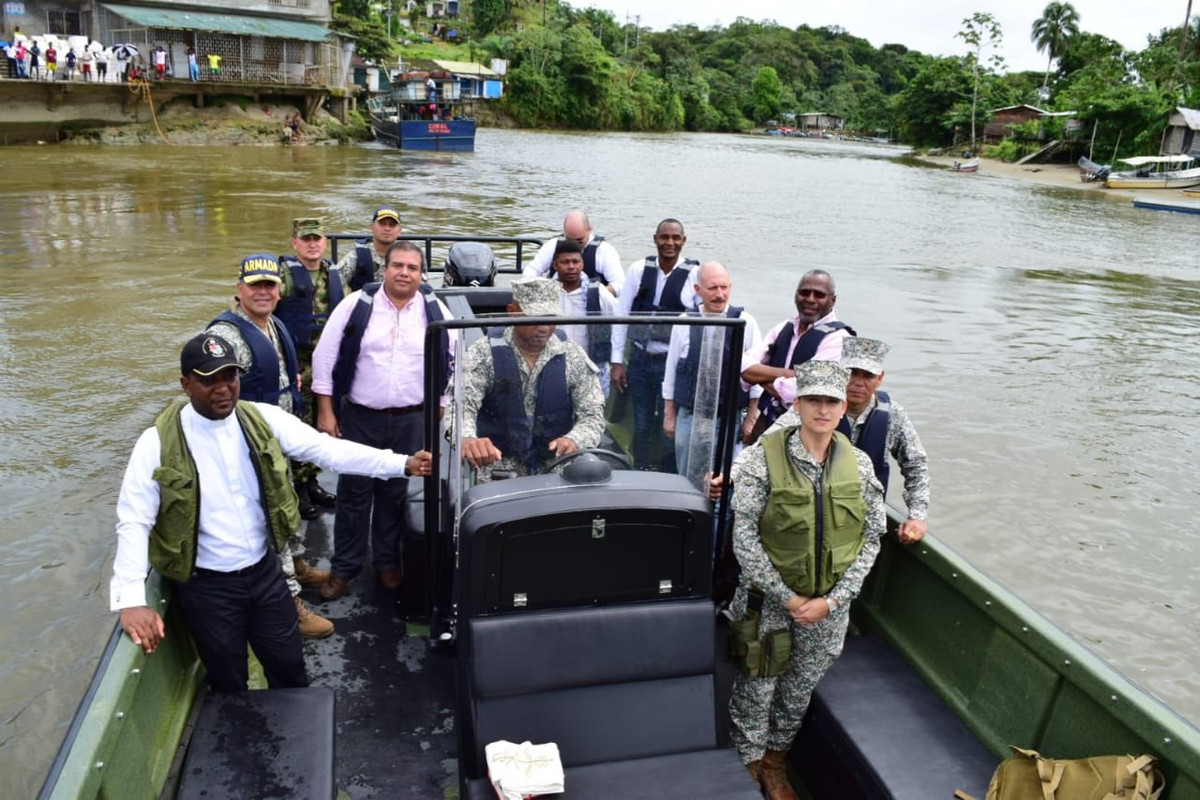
{"x":589,"y":260}
{"x":669,"y":302}
{"x":296,"y":310}
{"x":352,"y":335}
{"x":261,"y":383}
{"x":599,"y":337}
{"x":687,"y":369}
{"x":364,"y":265}
{"x":502,"y":415}
{"x":806,"y":348}
{"x":872,"y":436}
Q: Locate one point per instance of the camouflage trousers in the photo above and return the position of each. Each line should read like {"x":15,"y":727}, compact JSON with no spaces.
{"x":302,"y":471}
{"x":766,"y":712}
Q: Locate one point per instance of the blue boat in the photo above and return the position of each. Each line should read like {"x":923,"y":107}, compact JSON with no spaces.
{"x":424,"y":111}
{"x":1178,"y":206}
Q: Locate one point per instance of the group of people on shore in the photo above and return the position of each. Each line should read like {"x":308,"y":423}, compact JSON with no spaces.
{"x":49,"y":58}
{"x":338,"y":349}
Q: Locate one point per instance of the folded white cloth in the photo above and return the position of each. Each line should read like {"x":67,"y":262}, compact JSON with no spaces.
{"x":518,"y":771}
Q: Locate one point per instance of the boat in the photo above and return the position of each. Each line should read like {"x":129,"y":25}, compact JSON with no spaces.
{"x":575,"y":607}
{"x":423,"y":111}
{"x":1090,"y":171}
{"x":1179,"y":206}
{"x":966,"y":166}
{"x":1156,"y":172}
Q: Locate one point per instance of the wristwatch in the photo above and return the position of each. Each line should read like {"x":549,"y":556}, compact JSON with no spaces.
{"x":833,"y":604}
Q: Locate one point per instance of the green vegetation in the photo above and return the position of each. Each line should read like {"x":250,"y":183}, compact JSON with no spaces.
{"x":571,"y":68}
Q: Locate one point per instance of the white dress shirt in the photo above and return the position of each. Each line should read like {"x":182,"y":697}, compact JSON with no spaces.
{"x":574,"y":304}
{"x":633,"y":281}
{"x":608,"y":262}
{"x":233,"y":531}
{"x":681,"y":342}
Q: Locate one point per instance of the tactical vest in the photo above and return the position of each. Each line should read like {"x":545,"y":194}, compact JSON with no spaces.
{"x":669,"y":302}
{"x":352,"y":335}
{"x":296,"y":310}
{"x":364,"y":264}
{"x":599,"y":337}
{"x":687,"y":369}
{"x":261,"y":383}
{"x":812,"y":537}
{"x":172,"y":549}
{"x":872,"y":436}
{"x":589,"y":260}
{"x":502,"y":415}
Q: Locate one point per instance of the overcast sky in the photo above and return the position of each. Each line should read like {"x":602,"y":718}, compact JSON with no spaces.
{"x":928,"y":25}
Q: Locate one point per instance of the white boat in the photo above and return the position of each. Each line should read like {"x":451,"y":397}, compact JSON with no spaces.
{"x":1156,"y":172}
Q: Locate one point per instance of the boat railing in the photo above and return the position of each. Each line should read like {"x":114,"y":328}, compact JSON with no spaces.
{"x":510,"y":259}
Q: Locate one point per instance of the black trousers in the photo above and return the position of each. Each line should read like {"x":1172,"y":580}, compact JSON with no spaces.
{"x":225,"y":610}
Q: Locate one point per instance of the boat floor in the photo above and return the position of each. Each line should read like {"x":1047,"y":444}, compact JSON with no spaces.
{"x":395,"y":691}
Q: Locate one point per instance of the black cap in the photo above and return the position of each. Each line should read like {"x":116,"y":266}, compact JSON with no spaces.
{"x":206,"y":355}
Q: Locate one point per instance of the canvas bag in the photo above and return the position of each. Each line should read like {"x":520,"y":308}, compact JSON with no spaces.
{"x":1027,"y":775}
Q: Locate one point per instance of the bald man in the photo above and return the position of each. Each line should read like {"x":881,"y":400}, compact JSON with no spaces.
{"x":601,"y":262}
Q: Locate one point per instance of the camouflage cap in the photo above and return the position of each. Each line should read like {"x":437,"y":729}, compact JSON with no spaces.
{"x":537,"y":297}
{"x":259,"y":267}
{"x":864,"y":354}
{"x":307,"y":226}
{"x":822,"y":379}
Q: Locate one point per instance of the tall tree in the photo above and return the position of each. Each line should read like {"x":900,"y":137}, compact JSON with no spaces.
{"x":980,"y":31}
{"x":1051,"y":32}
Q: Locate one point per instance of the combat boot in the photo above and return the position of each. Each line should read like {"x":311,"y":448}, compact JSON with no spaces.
{"x":755,"y":770}
{"x":312,"y":625}
{"x":773,"y":771}
{"x":318,"y":495}
{"x":307,"y":575}
{"x":307,"y":509}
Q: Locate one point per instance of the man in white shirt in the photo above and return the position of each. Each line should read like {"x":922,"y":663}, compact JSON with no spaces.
{"x":578,"y":297}
{"x":601,"y":262}
{"x":713,"y":286}
{"x":207,"y":501}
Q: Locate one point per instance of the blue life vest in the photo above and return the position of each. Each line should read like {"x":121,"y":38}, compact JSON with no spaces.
{"x":686,"y":369}
{"x":296,"y":310}
{"x":261,"y":383}
{"x":872,"y":436}
{"x":589,"y":261}
{"x":364,"y":265}
{"x":599,"y":337}
{"x":352,"y":335}
{"x":502,"y":415}
{"x":768,"y":405}
{"x":669,"y":302}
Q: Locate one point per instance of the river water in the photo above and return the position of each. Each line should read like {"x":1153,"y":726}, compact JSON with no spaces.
{"x":1043,"y":343}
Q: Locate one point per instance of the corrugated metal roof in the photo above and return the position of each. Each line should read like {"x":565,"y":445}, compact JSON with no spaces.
{"x":223,"y":23}
{"x":466,"y":68}
{"x":1191,"y":117}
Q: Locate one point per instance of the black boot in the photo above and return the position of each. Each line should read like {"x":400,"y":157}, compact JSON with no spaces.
{"x":307,"y":509}
{"x":319,"y":496}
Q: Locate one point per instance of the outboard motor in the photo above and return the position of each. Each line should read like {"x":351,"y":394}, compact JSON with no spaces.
{"x":470,"y":264}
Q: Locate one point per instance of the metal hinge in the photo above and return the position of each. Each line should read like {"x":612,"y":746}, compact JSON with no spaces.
{"x":519,"y":600}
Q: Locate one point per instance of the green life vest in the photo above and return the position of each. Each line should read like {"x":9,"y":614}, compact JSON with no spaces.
{"x":810,"y":538}
{"x":173,"y":538}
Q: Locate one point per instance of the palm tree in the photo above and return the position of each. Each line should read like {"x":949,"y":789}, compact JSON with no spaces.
{"x":1051,"y":32}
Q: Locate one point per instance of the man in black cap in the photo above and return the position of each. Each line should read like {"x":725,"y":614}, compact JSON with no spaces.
{"x":207,"y":501}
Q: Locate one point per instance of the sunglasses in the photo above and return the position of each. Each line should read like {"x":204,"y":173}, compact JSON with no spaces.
{"x":813,"y":293}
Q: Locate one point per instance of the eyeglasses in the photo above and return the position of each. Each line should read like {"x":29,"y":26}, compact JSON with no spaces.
{"x":816,"y":294}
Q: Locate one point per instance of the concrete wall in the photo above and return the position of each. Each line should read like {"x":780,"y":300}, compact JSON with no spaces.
{"x":34,"y":20}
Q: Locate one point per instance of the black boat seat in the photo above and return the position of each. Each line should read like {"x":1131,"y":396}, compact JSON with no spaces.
{"x":275,"y":743}
{"x":681,"y":776}
{"x":888,"y":733}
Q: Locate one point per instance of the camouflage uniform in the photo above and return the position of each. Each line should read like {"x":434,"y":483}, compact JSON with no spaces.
{"x":904,"y":445}
{"x":766,"y":712}
{"x":349,"y":263}
{"x":582,"y":381}
{"x":230,"y":333}
{"x":303,"y":471}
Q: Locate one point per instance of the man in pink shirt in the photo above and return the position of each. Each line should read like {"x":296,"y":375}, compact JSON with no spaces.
{"x":369,"y":385}
{"x":814,"y":334}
